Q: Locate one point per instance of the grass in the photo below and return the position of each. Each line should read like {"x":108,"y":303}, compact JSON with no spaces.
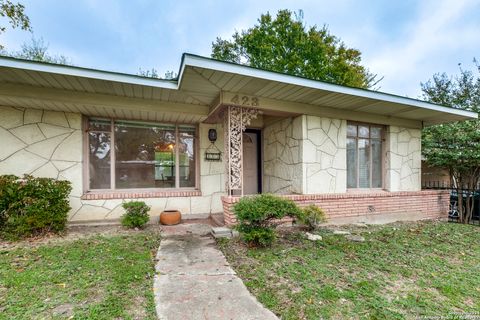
{"x":402,"y":271}
{"x":101,"y":277}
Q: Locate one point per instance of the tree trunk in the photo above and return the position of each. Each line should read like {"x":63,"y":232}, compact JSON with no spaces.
{"x":459,"y":188}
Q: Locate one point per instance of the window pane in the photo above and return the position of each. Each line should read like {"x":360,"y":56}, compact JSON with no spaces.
{"x":186,"y":148}
{"x":144,"y":155}
{"x":99,"y":160}
{"x":351,"y":130}
{"x":364,"y":163}
{"x":376,"y":132}
{"x":99,"y":125}
{"x":363,"y":131}
{"x":376,"y":163}
{"x":351,"y":163}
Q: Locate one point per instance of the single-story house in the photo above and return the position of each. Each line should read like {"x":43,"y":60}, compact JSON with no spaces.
{"x":215,"y":133}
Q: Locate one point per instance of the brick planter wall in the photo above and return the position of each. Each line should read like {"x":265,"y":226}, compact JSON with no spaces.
{"x":376,"y":207}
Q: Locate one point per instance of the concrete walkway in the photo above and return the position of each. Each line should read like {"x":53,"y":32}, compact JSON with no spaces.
{"x":194,"y":281}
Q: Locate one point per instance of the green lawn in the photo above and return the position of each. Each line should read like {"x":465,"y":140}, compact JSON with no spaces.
{"x":101,"y":277}
{"x":401,"y":271}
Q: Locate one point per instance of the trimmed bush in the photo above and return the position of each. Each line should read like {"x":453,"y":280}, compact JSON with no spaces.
{"x":257,"y":236}
{"x":258,"y":217}
{"x":32,"y":206}
{"x":311,"y":217}
{"x":136,"y":214}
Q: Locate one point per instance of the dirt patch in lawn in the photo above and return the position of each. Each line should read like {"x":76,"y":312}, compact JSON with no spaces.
{"x":137,"y":308}
{"x":73,"y":233}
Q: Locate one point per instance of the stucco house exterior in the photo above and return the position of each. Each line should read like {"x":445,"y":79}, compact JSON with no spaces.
{"x":217,"y":132}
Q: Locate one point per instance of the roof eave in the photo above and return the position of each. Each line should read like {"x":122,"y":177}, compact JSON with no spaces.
{"x":207,"y":63}
{"x":86,"y":73}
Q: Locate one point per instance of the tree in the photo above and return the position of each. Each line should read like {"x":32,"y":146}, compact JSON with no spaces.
{"x":153,"y":73}
{"x":15,"y":14}
{"x":37,"y":50}
{"x":456,"y":146}
{"x":285,"y":45}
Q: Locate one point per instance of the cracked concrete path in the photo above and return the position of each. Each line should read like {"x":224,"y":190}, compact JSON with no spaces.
{"x":194,"y":281}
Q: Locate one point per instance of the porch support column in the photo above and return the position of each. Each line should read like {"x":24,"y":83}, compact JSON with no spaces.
{"x":236,"y":119}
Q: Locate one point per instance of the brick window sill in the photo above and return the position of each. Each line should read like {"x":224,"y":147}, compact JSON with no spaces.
{"x":135,"y":194}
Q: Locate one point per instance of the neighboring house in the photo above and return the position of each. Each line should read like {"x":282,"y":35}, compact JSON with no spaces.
{"x":356,"y":153}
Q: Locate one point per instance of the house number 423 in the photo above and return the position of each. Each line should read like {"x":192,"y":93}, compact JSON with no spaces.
{"x":245,"y":101}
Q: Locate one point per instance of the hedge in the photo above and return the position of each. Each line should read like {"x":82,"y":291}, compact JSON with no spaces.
{"x":31,"y":206}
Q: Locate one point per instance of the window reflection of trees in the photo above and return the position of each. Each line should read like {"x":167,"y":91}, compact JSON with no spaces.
{"x":146,"y":155}
{"x":99,"y":166}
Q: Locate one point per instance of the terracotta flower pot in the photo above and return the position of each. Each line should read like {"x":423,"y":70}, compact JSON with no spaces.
{"x":170,"y":217}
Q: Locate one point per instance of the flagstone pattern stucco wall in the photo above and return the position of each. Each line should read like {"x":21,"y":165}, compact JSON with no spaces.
{"x":305,"y":155}
{"x":283,"y":169}
{"x":49,"y":144}
{"x":403,"y":159}
{"x":44,"y":144}
{"x":324,"y":155}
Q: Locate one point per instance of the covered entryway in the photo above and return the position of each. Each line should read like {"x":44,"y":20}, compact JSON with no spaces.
{"x":252,"y":161}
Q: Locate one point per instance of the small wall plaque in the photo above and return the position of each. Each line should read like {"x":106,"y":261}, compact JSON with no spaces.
{"x":213,"y":156}
{"x":212,"y":153}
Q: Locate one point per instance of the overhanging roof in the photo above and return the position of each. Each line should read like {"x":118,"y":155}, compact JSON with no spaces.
{"x":201,"y":85}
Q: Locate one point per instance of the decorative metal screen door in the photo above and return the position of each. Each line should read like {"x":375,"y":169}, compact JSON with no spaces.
{"x":236,"y":119}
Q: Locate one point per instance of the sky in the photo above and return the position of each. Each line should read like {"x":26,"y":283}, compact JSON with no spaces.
{"x":403,"y":41}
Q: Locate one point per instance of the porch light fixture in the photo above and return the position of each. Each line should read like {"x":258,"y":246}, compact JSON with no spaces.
{"x":213,"y":153}
{"x":212,"y":135}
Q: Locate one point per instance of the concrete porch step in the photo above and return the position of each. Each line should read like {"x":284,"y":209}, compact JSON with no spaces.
{"x":217,"y":219}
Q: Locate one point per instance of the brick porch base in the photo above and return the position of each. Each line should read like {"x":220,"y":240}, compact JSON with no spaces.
{"x":377,"y":207}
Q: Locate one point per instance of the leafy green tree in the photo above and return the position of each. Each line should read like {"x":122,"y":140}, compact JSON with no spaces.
{"x":15,"y":15}
{"x":456,"y":146}
{"x":285,"y":45}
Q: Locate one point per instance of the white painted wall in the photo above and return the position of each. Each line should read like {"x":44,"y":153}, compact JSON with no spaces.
{"x":49,"y":144}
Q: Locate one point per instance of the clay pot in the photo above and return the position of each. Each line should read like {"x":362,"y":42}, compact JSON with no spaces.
{"x":170,"y":217}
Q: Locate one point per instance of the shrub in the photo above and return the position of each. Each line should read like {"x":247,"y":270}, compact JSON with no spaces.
{"x":258,"y":217}
{"x":136,"y":214}
{"x":311,"y":216}
{"x":257,"y":236}
{"x":32,"y":206}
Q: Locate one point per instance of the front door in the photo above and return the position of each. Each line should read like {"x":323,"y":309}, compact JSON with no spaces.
{"x":251,"y":160}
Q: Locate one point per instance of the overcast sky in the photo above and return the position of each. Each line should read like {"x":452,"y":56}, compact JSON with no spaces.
{"x":404,"y":41}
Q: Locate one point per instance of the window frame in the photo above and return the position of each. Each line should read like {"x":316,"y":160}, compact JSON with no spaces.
{"x":382,"y":160}
{"x":112,"y":189}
